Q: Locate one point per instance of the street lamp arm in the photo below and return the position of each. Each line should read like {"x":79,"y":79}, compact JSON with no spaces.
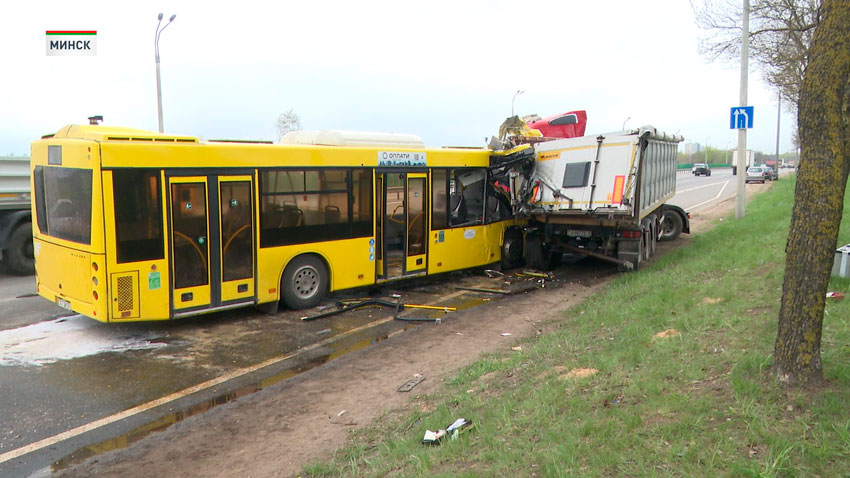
{"x":156,"y":38}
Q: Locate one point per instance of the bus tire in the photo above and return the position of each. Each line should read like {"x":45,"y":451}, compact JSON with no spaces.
{"x":19,"y":257}
{"x":304,"y":283}
{"x":512,"y":249}
{"x":671,"y":226}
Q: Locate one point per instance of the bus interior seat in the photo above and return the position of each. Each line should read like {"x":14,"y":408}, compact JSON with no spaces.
{"x":291,"y":217}
{"x":332,"y":214}
{"x":457,"y":206}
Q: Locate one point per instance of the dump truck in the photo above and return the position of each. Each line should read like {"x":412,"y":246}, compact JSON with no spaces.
{"x":602,"y":196}
{"x":15,"y":215}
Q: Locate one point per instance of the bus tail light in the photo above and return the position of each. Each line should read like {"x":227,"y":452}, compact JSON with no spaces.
{"x":94,"y":266}
{"x":94,"y":294}
{"x":631,"y":234}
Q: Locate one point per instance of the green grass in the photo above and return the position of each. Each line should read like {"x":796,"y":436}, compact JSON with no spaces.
{"x":697,"y":404}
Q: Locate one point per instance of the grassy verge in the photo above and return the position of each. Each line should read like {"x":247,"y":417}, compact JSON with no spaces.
{"x":694,"y":403}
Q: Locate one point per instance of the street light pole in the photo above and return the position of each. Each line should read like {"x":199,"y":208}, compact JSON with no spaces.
{"x":740,"y":196}
{"x":624,"y":123}
{"x":518,"y":92}
{"x":706,"y":149}
{"x":778,"y":116}
{"x":156,"y":52}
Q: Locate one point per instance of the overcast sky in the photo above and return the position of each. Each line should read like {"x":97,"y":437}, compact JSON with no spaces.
{"x":444,"y":70}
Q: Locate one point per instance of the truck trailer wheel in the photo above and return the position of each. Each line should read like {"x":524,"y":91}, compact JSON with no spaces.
{"x":512,"y":250}
{"x":19,"y":258}
{"x":304,"y":283}
{"x":671,"y":226}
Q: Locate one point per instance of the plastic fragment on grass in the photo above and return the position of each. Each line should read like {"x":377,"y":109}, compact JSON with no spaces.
{"x":456,"y":428}
{"x":834,"y":295}
{"x":666,"y":334}
{"x":518,"y":348}
{"x":580,"y":373}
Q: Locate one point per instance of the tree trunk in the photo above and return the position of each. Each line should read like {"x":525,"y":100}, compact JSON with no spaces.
{"x":824,"y":123}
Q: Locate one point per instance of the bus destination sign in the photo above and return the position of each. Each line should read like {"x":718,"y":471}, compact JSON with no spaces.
{"x":401,"y":158}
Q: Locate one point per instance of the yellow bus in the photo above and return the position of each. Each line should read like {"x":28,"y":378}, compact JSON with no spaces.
{"x":133,"y":225}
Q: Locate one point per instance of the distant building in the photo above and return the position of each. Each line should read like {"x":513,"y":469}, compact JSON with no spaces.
{"x":692,"y":148}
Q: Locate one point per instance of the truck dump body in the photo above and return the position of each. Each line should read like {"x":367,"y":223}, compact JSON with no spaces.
{"x":602,"y":196}
{"x":623,"y":176}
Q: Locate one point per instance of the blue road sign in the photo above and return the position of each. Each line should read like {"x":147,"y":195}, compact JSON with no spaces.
{"x":741,"y":117}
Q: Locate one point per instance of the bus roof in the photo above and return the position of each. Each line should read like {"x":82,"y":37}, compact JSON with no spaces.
{"x":367,"y":139}
{"x":116,"y":133}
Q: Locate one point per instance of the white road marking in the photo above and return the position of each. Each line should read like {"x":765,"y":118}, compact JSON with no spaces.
{"x":74,"y":432}
{"x":698,"y":187}
{"x":715,"y":198}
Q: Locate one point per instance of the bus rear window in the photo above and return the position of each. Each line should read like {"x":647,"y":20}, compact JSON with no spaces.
{"x":63,"y":203}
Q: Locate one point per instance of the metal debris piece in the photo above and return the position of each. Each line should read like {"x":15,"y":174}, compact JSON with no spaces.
{"x":488,"y":291}
{"x":414,"y":381}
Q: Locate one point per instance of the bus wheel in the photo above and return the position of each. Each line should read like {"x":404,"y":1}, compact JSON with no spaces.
{"x":19,"y":257}
{"x":305,"y":282}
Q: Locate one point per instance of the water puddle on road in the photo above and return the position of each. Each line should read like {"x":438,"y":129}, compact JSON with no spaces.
{"x":300,"y":363}
{"x":345,"y":340}
{"x":67,"y":338}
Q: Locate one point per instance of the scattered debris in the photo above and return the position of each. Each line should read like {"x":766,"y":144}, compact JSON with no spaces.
{"x":834,"y":295}
{"x":666,"y":334}
{"x":492,"y":273}
{"x":414,"y":381}
{"x":346,"y":305}
{"x":616,"y":401}
{"x":323,"y":332}
{"x":518,"y":348}
{"x":711,"y":300}
{"x":506,"y":334}
{"x":537,"y":274}
{"x":341,"y":413}
{"x":444,"y":308}
{"x":459,"y":426}
{"x":488,"y":291}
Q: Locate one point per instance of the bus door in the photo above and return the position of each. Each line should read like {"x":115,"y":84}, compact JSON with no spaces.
{"x":212,"y":242}
{"x":416,"y":247}
{"x":402,"y":221}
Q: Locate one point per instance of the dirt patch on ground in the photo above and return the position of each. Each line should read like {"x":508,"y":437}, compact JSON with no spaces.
{"x":280,"y":429}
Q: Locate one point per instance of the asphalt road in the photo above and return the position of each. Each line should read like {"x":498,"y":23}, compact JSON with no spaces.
{"x":694,"y":192}
{"x":67,"y":382}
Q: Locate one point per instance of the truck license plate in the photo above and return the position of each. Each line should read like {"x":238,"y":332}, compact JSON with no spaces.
{"x":63,"y":303}
{"x":578,"y":233}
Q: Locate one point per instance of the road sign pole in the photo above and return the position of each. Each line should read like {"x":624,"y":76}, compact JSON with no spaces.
{"x":740,"y":198}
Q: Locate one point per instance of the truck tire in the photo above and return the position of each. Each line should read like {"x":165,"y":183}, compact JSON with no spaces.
{"x":304,"y":283}
{"x":512,"y":250}
{"x":671,"y":226}
{"x":18,"y":256}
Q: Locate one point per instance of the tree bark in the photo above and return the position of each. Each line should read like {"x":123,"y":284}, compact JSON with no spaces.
{"x":824,"y":122}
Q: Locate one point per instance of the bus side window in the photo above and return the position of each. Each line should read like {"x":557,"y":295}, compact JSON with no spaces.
{"x":138,"y":215}
{"x":466,"y":202}
{"x":439,"y":199}
{"x":315,"y":205}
